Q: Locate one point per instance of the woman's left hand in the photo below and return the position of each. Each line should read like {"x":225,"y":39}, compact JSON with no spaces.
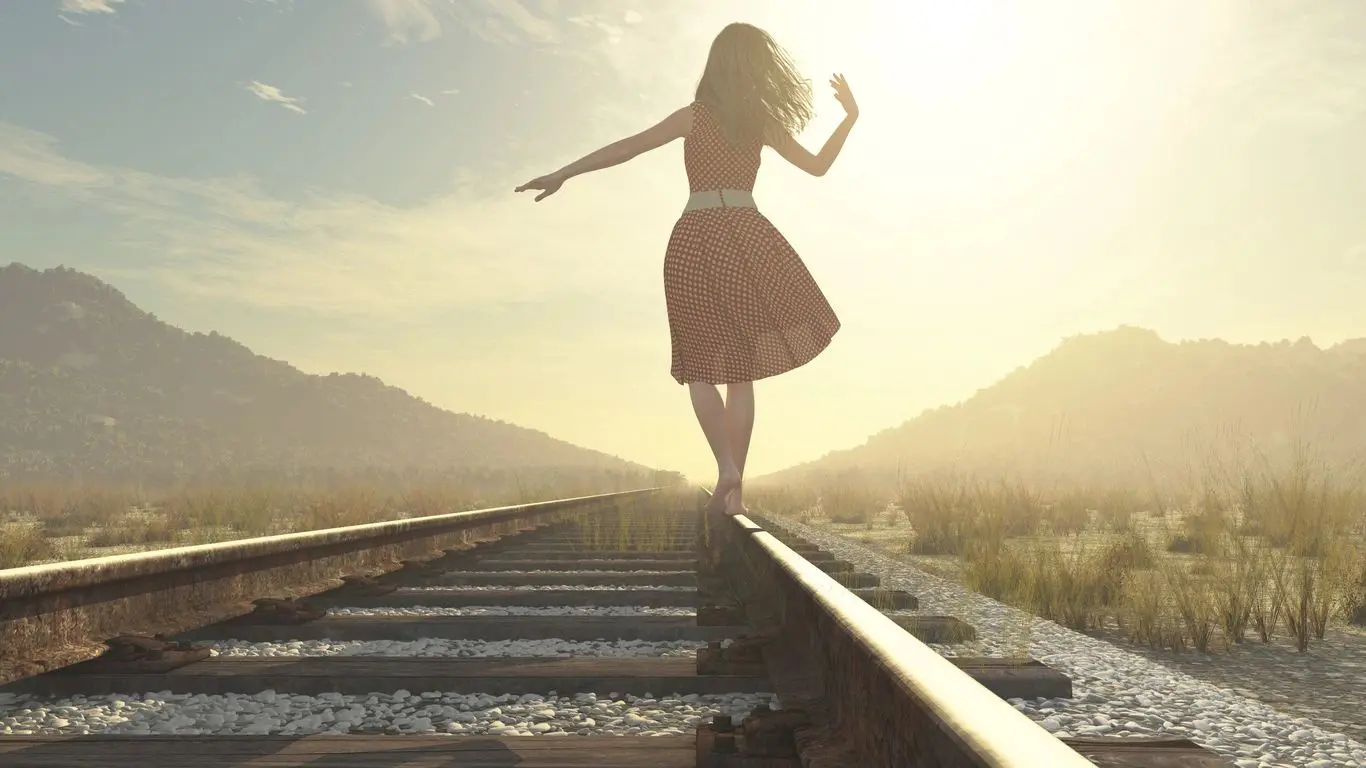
{"x":548,"y":184}
{"x":844,"y":95}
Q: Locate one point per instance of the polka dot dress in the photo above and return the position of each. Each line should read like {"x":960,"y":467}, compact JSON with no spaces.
{"x":742,"y":305}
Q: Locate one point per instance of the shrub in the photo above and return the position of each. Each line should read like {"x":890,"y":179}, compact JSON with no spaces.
{"x":136,"y":531}
{"x":1354,"y":596}
{"x":850,"y":502}
{"x":23,"y":543}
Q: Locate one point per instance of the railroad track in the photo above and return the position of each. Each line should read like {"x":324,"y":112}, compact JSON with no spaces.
{"x":636,"y":629}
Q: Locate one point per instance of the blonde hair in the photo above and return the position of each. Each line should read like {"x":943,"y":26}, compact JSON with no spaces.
{"x":753,"y":87}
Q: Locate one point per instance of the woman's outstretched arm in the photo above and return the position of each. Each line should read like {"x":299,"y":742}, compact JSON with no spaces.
{"x":675,"y":126}
{"x":816,"y":165}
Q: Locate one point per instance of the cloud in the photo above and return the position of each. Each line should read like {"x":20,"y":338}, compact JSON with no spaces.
{"x":271,"y":93}
{"x":606,"y":33}
{"x":507,"y":22}
{"x":408,"y":19}
{"x":614,"y":33}
{"x":428,"y":100}
{"x":32,"y":156}
{"x":341,"y":254}
{"x":89,"y":6}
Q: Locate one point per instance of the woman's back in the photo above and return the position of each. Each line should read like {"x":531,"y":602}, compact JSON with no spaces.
{"x":711,"y":161}
{"x":741,"y":304}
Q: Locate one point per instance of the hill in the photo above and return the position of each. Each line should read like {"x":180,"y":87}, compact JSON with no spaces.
{"x":93,"y":387}
{"x":1127,"y":406}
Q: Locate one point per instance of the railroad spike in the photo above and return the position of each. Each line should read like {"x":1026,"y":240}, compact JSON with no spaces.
{"x":142,"y":654}
{"x":367,"y":586}
{"x":421,"y":568}
{"x":272,"y":610}
{"x":770,"y":733}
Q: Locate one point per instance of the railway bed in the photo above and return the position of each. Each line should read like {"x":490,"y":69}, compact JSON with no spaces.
{"x":777,"y":655}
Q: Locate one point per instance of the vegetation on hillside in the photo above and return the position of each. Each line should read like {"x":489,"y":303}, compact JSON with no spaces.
{"x":1121,"y":408}
{"x":94,"y":390}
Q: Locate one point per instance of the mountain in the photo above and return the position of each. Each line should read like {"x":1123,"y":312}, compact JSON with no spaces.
{"x":1126,"y":406}
{"x":93,"y":387}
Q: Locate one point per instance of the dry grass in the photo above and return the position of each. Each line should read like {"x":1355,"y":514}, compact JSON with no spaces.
{"x":645,"y":524}
{"x":42,"y":523}
{"x":24,"y":542}
{"x":1253,"y":549}
{"x":846,"y":499}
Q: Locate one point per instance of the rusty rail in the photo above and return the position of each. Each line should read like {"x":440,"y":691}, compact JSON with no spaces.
{"x":877,"y":694}
{"x":56,"y":614}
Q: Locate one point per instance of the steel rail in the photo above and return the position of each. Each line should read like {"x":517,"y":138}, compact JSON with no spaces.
{"x":80,"y":603}
{"x":34,"y":580}
{"x":891,"y":698}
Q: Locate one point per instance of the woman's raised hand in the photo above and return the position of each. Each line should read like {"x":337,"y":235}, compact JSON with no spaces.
{"x":843,"y":95}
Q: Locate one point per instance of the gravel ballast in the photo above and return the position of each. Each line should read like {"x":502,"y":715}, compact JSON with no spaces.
{"x":499,"y":610}
{"x":464,"y":649}
{"x":402,"y":712}
{"x":569,"y":573}
{"x":1117,"y":693}
{"x":554,"y":588}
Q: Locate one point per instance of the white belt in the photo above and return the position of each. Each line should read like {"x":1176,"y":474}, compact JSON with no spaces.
{"x":720,"y":198}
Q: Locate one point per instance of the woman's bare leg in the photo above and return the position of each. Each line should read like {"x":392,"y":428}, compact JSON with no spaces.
{"x":711,"y":415}
{"x":739,"y":427}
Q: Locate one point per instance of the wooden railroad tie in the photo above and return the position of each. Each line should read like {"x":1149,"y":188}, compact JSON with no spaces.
{"x":854,"y":580}
{"x":763,"y":740}
{"x":1016,"y":678}
{"x":1145,"y":752}
{"x":744,"y":656}
{"x":721,"y":613}
{"x":888,"y":599}
{"x":942,"y":630}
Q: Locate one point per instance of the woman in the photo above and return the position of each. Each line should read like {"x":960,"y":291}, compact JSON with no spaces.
{"x":741,"y":303}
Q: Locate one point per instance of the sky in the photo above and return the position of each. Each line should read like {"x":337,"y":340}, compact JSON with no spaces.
{"x":330,"y":183}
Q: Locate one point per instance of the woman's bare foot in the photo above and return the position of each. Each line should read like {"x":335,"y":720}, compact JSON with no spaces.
{"x":720,"y":495}
{"x":733,"y":504}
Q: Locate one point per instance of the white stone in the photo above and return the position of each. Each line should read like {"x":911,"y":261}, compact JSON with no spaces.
{"x":454,"y":648}
{"x":400,"y":711}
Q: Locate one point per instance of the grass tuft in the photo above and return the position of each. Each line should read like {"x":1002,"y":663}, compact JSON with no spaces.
{"x":1256,"y":546}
